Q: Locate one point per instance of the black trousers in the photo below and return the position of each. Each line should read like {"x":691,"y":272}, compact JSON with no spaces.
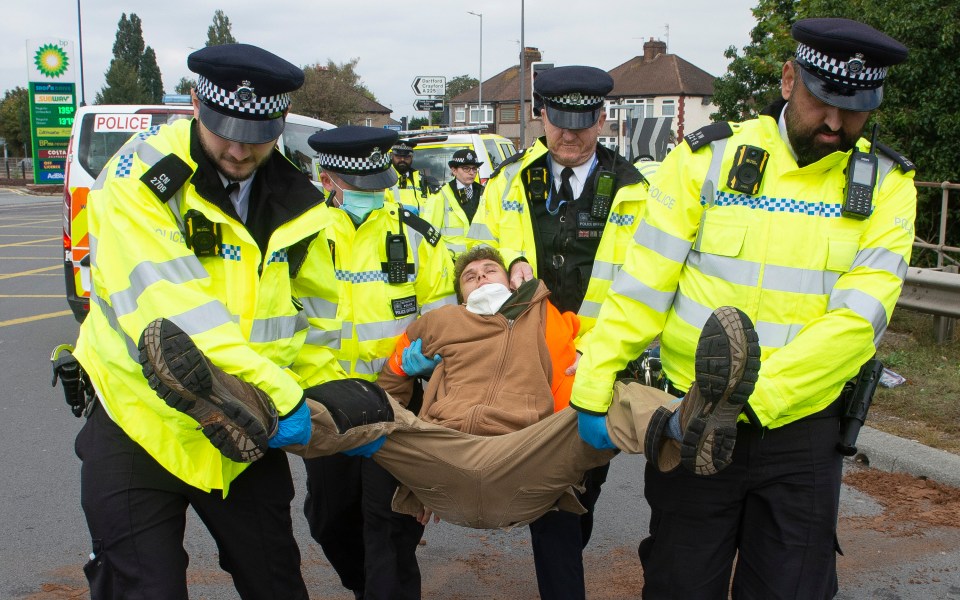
{"x":136,"y":513}
{"x":558,"y":540}
{"x":372,"y":548}
{"x":774,"y":509}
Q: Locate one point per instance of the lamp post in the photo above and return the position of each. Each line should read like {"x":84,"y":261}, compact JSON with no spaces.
{"x":83,"y":100}
{"x":480,"y":91}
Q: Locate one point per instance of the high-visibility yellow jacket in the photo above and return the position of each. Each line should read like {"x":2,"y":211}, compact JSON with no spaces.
{"x":819,"y":286}
{"x":407,"y":190}
{"x":444,"y":211}
{"x":359,"y":319}
{"x":504,"y":222}
{"x":237,"y":306}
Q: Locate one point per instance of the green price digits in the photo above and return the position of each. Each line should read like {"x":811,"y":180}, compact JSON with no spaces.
{"x":65,"y":120}
{"x":65,"y":110}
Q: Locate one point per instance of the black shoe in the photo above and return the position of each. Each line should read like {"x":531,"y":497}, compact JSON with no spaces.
{"x":235,"y":416}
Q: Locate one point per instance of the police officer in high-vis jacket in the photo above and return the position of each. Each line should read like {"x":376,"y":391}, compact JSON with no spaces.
{"x":201,"y":222}
{"x":454,"y":206}
{"x":388,"y":266}
{"x":564,"y":210}
{"x":409,"y":188}
{"x":806,"y":226}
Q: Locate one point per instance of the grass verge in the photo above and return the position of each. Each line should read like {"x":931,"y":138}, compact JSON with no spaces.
{"x":926,"y":408}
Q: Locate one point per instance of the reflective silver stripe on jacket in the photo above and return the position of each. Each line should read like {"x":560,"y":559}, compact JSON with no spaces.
{"x":882,"y":259}
{"x":176,"y":271}
{"x":864,"y":305}
{"x":370,"y":367}
{"x":629,"y":286}
{"x":318,"y":308}
{"x":323,"y":337}
{"x":273,"y":329}
{"x":448,"y":299}
{"x":661,"y":242}
{"x":382,"y":330}
{"x":480,"y":232}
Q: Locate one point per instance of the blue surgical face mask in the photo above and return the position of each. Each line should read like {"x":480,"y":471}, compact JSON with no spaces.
{"x":360,"y":204}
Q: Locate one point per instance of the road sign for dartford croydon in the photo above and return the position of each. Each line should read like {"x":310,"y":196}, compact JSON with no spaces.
{"x":426,"y":85}
{"x":428,"y":104}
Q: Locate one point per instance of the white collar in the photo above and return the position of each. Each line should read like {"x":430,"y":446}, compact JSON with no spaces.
{"x":580,"y":175}
{"x":782,"y":124}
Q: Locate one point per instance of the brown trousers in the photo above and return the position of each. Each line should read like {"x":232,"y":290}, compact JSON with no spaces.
{"x":491,"y":482}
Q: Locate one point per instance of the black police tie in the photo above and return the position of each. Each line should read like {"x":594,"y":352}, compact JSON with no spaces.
{"x":231,"y":187}
{"x":566,"y":190}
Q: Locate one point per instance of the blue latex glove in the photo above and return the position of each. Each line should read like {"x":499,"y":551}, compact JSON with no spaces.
{"x":412,"y":208}
{"x":593,"y":430}
{"x":367,"y":450}
{"x":294,"y":428}
{"x":414,"y":363}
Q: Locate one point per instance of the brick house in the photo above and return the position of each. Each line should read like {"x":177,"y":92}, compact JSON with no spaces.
{"x":657,"y":84}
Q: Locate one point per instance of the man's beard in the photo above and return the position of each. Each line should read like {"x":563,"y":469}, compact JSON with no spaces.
{"x":805,"y":144}
{"x":231,"y":169}
{"x":402,"y":167}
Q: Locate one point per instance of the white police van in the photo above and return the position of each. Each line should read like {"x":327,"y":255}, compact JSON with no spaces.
{"x":98,"y":132}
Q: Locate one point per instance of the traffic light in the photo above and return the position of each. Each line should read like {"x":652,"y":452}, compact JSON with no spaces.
{"x":535,"y":69}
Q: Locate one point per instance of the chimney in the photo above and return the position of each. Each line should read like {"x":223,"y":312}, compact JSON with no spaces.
{"x":653,"y":48}
{"x":531,"y":54}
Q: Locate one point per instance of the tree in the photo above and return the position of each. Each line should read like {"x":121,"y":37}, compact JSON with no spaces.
{"x":133,"y":76}
{"x":15,"y":120}
{"x":121,"y":86}
{"x":753,"y":80}
{"x":332,"y":92}
{"x":220,"y":32}
{"x":150,"y":78}
{"x":185,"y":86}
{"x":417,"y":123}
{"x":455,"y":87}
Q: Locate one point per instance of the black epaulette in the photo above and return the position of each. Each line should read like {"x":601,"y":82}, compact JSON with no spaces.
{"x":906,"y":165}
{"x":297,"y":253}
{"x":167,"y":176}
{"x":506,"y":162}
{"x":423,"y":227}
{"x":710,"y":133}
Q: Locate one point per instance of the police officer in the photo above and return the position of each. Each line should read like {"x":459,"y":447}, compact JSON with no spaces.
{"x":390,"y":266}
{"x":564,"y":210}
{"x":193,"y":222}
{"x":453,"y":207}
{"x":409,"y":189}
{"x":773,"y":215}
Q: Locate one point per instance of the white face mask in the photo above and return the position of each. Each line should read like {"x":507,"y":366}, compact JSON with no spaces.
{"x":487,"y":299}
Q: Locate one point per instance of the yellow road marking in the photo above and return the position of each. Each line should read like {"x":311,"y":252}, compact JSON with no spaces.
{"x":22,"y":320}
{"x":29,"y":243}
{"x":26,"y":273}
{"x":31,"y":295}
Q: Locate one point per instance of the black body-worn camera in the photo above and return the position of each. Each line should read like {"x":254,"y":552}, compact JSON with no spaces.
{"x":746,"y":174}
{"x":203,"y":235}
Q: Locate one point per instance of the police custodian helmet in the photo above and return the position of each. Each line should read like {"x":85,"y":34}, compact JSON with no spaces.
{"x":358,"y":155}
{"x":844,"y":62}
{"x":243,"y":91}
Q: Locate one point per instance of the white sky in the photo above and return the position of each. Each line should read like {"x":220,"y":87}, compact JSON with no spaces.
{"x":395,"y":42}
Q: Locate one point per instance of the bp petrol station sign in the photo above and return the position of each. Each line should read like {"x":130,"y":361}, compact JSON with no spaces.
{"x":53,"y":102}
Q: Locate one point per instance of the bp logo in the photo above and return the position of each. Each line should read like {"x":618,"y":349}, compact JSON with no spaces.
{"x":51,"y":60}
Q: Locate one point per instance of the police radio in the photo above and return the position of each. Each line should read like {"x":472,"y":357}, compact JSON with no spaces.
{"x":861,"y":178}
{"x":603,"y":196}
{"x":203,"y":235}
{"x":396,"y":259}
{"x":746,"y":174}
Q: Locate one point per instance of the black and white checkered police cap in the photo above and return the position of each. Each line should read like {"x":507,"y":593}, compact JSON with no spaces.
{"x":464,"y":157}
{"x":844,"y":62}
{"x":403,"y":147}
{"x":573,"y":95}
{"x":358,"y":155}
{"x":243,"y":91}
